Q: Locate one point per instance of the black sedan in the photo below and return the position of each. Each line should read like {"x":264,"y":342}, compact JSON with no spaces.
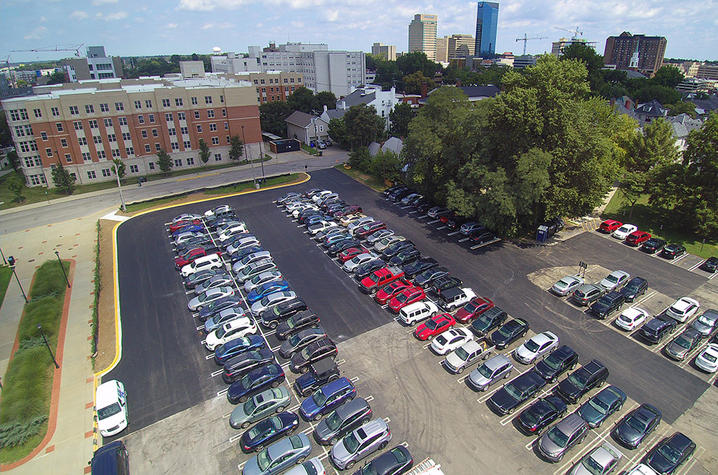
{"x":557,"y":362}
{"x":509,"y":332}
{"x":540,"y":414}
{"x":672,"y":251}
{"x":487,"y":321}
{"x":268,"y":430}
{"x":418,"y":266}
{"x":426,"y":277}
{"x":515,"y":393}
{"x":254,"y":382}
{"x":393,"y":249}
{"x":636,"y":425}
{"x":710,"y":264}
{"x":324,"y":348}
{"x":670,"y":453}
{"x":367,"y":268}
{"x":405,"y":256}
{"x":299,"y":340}
{"x":271,"y":318}
{"x":653,"y":245}
{"x":393,"y":462}
{"x":298,"y":321}
{"x":243,"y":363}
{"x":340,"y":246}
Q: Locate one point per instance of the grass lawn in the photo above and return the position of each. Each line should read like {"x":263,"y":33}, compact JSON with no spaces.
{"x":376,"y":184}
{"x":5,"y":274}
{"x":654,"y":221}
{"x":27,"y":384}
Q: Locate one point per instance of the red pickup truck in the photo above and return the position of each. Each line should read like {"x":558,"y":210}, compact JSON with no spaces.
{"x":380,"y":278}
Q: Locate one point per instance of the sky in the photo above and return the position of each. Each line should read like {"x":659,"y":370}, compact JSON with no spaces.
{"x":153,"y":27}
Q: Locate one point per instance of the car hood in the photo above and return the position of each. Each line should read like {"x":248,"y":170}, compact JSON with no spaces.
{"x":212,"y":338}
{"x":297,"y":359}
{"x":567,"y":388}
{"x":304,"y":381}
{"x":111,"y":421}
{"x":454,"y":361}
{"x":251,"y":467}
{"x":422,"y":331}
{"x":309,"y":407}
{"x":461,"y":314}
{"x":236,"y":389}
{"x":658,"y":462}
{"x":579,"y":469}
{"x":628,"y":434}
{"x":478,"y":379}
{"x":524,"y":353}
{"x":339,"y":452}
{"x":238,"y":415}
{"x":323,"y":431}
{"x":504,"y":400}
{"x":286,"y":347}
{"x":499,"y":339}
{"x":589,"y":414}
{"x":547,"y":446}
{"x":545,"y":370}
{"x":676,"y":350}
{"x":194,"y":302}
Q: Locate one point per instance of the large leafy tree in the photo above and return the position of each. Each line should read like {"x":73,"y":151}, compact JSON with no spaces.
{"x":400,"y":117}
{"x":592,"y":60}
{"x":668,"y":76}
{"x":362,"y":126}
{"x":324,"y":98}
{"x":62,"y":179}
{"x":338,"y":132}
{"x":236,"y":148}
{"x":164,"y":161}
{"x":302,"y":99}
{"x":416,"y":82}
{"x":272,"y":116}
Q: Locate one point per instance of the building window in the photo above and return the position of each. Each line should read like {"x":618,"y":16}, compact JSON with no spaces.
{"x":119,"y":106}
{"x":56,"y":112}
{"x":181,"y":116}
{"x":122,"y":120}
{"x":89,"y":109}
{"x":152,"y":118}
{"x":215,"y":140}
{"x":196,"y":114}
{"x":190,"y":161}
{"x":157,"y":147}
{"x":106,"y":172}
{"x":144,"y":133}
{"x":194,"y":101}
{"x":154,"y":133}
{"x":178,"y":162}
{"x":224,"y":112}
{"x":126,"y":136}
{"x":86,"y":156}
{"x":207,"y":99}
{"x":210,"y":113}
{"x":168,"y":117}
{"x":147,"y":148}
{"x":199,"y":128}
{"x":130,"y":150}
{"x":165,"y":102}
{"x":134,"y":169}
{"x":38,"y":113}
{"x":178,"y":102}
{"x":228,"y":139}
{"x":115,"y":152}
{"x":104,"y":107}
{"x":82,"y":140}
{"x":217,"y":157}
{"x":63,"y":142}
{"x":148,"y":104}
{"x":184,"y":130}
{"x":43,"y":135}
{"x":101,"y":154}
{"x":172,"y":131}
{"x":91,"y":174}
{"x":73,"y":110}
{"x":48,"y":152}
{"x":226,"y":126}
{"x":97,"y":138}
{"x":108,"y":122}
{"x":212,"y":127}
{"x":151,"y":165}
{"x":140,"y":119}
{"x":59,"y":126}
{"x":111,"y":138}
{"x":174,"y":145}
{"x":93,"y":124}
{"x":187,"y":144}
{"x":68,"y":158}
{"x":138,"y":105}
{"x":77,"y":125}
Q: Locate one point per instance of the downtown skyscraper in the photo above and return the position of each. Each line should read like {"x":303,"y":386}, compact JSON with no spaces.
{"x":487,"y":18}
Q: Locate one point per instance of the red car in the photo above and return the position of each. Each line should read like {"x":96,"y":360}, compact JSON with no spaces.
{"x":406,"y":297}
{"x":389,"y":291}
{"x":380,"y":278}
{"x":189,"y":257}
{"x":609,"y":226}
{"x":473,"y":309}
{"x":444,"y":218}
{"x":434,"y":326}
{"x":351,"y":253}
{"x":637,"y":237}
{"x":348,"y":210}
{"x":368,"y":229}
{"x":180,"y":224}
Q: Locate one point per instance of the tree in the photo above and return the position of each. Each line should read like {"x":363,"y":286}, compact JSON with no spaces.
{"x":302,"y":99}
{"x":236,"y":148}
{"x":632,"y":186}
{"x":164,"y":161}
{"x":58,"y":77}
{"x":16,"y":185}
{"x":363,"y":126}
{"x":119,"y":168}
{"x":416,"y":61}
{"x":681,"y":107}
{"x":14,"y":159}
{"x":592,"y":60}
{"x":203,"y":151}
{"x":62,"y":179}
{"x":416,"y":82}
{"x":663,"y":94}
{"x":400,"y":117}
{"x":272,"y":116}
{"x":360,"y":159}
{"x":338,"y":132}
{"x":668,"y":76}
{"x":386,"y":165}
{"x":5,"y":136}
{"x":324,"y":98}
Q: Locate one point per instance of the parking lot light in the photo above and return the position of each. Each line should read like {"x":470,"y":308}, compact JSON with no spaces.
{"x":39,"y":327}
{"x":57,"y":254}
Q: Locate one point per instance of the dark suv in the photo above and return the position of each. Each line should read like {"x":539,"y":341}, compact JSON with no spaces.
{"x":635,"y":287}
{"x":111,"y":458}
{"x":607,"y":304}
{"x":320,"y":373}
{"x":586,"y":294}
{"x":656,"y":329}
{"x":556,"y":363}
{"x":489,"y":320}
{"x":581,"y":381}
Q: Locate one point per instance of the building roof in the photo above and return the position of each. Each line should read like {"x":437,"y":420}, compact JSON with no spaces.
{"x":374,"y":148}
{"x":360,"y":96}
{"x":335,"y":113}
{"x":707,"y":105}
{"x":683,"y":124}
{"x":651,"y":109}
{"x":631,"y":74}
{"x":394,"y":144}
{"x":300,"y":119}
{"x":480,"y":91}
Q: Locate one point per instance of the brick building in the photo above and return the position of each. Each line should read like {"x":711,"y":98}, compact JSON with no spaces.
{"x":88,"y":124}
{"x":638,"y":52}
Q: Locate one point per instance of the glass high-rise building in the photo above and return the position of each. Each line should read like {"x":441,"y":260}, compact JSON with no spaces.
{"x":487,"y":19}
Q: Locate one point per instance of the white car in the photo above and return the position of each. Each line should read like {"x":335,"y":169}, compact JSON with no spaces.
{"x":219,"y":209}
{"x":211,"y":261}
{"x":379,"y":235}
{"x":418,"y":311}
{"x":352,"y":264}
{"x":237,"y":328}
{"x":186,"y":217}
{"x":458,"y":298}
{"x":271,"y":300}
{"x":111,"y":408}
{"x":624,"y":231}
{"x":359,"y":222}
{"x":209,"y":296}
{"x":642,"y":469}
{"x":567,"y":285}
{"x":233,"y":231}
{"x":683,"y":309}
{"x":250,"y":259}
{"x":182,"y":237}
{"x":451,"y":340}
{"x":297,"y":211}
{"x":348,"y":219}
{"x":462,"y":357}
{"x":261,"y":279}
{"x":226,"y":315}
{"x":631,"y":318}
{"x":317,"y":197}
{"x":385,"y":242}
{"x":536,"y":346}
{"x":321,"y":226}
{"x":707,"y":360}
{"x":615,"y":280}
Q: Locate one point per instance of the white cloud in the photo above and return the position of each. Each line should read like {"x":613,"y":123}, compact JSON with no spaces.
{"x":103,"y":2}
{"x":36,"y":33}
{"x":171,"y":25}
{"x":78,"y":15}
{"x":43,"y":19}
{"x":216,"y":26}
{"x":209,"y":5}
{"x":332,"y":15}
{"x":116,"y":16}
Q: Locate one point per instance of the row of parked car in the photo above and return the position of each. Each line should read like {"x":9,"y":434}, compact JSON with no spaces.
{"x":364,"y":240}
{"x":608,"y":296}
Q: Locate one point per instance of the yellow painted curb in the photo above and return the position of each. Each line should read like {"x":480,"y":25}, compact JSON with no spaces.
{"x":198,"y":176}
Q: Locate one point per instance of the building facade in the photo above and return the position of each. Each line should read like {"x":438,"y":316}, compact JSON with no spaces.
{"x":306,"y":128}
{"x":97,"y":65}
{"x":387,"y":52}
{"x":461,"y":46}
{"x":372,"y":95}
{"x":442,"y":49}
{"x":87,"y":125}
{"x":273,"y":86}
{"x":487,"y":20}
{"x":639,"y":52}
{"x":422,"y":34}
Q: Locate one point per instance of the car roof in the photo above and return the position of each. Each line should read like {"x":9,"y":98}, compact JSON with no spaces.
{"x":471,"y":345}
{"x":496,"y":361}
{"x":358,"y":404}
{"x":370,"y":428}
{"x":571,"y":423}
{"x":336,"y":385}
{"x":683,"y":303}
{"x":106,"y":393}
{"x":544,"y":337}
{"x":679,"y":440}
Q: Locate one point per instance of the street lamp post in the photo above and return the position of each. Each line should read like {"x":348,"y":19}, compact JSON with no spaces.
{"x":39,"y":327}
{"x":11,"y":261}
{"x":119,"y":186}
{"x":57,"y":254}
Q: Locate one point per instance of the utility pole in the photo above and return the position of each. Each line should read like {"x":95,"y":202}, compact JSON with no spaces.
{"x":119,"y":186}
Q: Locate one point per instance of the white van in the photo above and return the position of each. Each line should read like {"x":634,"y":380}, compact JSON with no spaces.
{"x":211,"y":261}
{"x":418,"y":311}
{"x":111,"y":408}
{"x":234,"y":230}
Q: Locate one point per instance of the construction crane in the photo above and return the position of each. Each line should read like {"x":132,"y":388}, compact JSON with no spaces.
{"x":576,"y":32}
{"x":76,"y":49}
{"x":526,"y":39}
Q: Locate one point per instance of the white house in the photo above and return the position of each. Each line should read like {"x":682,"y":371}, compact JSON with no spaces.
{"x":371,"y":95}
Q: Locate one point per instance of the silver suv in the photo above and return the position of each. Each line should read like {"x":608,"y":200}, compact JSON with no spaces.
{"x":560,"y":438}
{"x":494,"y":369}
{"x":367,"y":439}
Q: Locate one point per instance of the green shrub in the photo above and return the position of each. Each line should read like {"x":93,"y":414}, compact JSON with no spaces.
{"x":49,"y":279}
{"x":17,"y":433}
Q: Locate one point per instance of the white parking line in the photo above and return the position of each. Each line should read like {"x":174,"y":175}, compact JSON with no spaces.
{"x":369,"y":398}
{"x":405,"y":207}
{"x":679,"y":258}
{"x":453,"y":233}
{"x":216,"y":373}
{"x":209,"y":356}
{"x":200,"y":328}
{"x":713,"y":276}
{"x":354,"y":379}
{"x":387,"y":420}
{"x":695,"y":266}
{"x":473,"y":248}
{"x":441,"y":227}
{"x":644,"y":298}
{"x":432,"y":222}
{"x":463,"y":239}
{"x":222,"y":392}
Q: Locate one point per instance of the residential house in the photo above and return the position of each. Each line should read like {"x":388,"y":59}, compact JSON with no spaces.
{"x":649,"y":111}
{"x":682,"y":125}
{"x":306,"y":127}
{"x":371,"y":95}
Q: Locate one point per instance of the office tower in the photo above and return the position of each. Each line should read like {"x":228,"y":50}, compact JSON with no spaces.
{"x":442,"y":49}
{"x":422,"y":35}
{"x":487,"y":18}
{"x":639,"y":52}
{"x":387,"y":52}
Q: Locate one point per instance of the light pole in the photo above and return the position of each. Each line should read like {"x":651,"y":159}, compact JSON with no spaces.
{"x":39,"y":327}
{"x":57,"y":254}
{"x":119,"y":186}
{"x":11,"y":261}
{"x":261,"y":160}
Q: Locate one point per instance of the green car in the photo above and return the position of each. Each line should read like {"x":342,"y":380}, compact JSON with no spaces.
{"x":259,"y":407}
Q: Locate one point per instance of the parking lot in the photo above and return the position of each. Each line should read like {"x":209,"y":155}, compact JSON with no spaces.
{"x":433,"y":412}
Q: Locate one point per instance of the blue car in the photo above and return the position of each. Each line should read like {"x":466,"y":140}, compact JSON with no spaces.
{"x":266,"y":289}
{"x":192,"y":228}
{"x":268,"y":431}
{"x":257,"y":380}
{"x":237,"y":346}
{"x":327,"y":398}
{"x":242,"y":253}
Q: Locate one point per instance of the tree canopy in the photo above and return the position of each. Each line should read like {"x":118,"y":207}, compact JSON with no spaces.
{"x":272,"y":115}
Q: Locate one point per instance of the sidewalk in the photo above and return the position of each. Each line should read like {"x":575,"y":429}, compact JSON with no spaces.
{"x":70,"y":447}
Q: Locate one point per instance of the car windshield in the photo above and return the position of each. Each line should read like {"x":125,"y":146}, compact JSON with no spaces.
{"x":431,"y":325}
{"x":532,"y":346}
{"x":553,"y":361}
{"x":108,"y":411}
{"x":578,"y":379}
{"x":220,"y":332}
{"x":507,"y":330}
{"x":670,"y":453}
{"x":441,"y":340}
{"x":612,"y":278}
{"x":636,"y":423}
{"x":462,"y":353}
{"x":592,"y":466}
{"x":529,"y":417}
{"x":484,"y":371}
{"x":515,"y":393}
{"x":334,"y":421}
{"x":265,"y":301}
{"x":710,"y":357}
{"x":319,"y":398}
{"x":294,"y":341}
{"x":598,"y":405}
{"x":562,"y":284}
{"x":351,"y":443}
{"x":683,"y":342}
{"x":263,"y":460}
{"x":402,"y":297}
{"x":707,"y":321}
{"x":558,"y":437}
{"x":249,"y":406}
{"x":265,"y":428}
{"x":290,"y":323}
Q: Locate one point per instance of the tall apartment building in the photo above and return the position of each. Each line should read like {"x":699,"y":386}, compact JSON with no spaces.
{"x":557,"y":47}
{"x":97,"y":65}
{"x":639,"y":52}
{"x":461,"y":46}
{"x":387,"y":52}
{"x":273,"y":86}
{"x":86,"y":125}
{"x":487,"y":20}
{"x":422,"y":35}
{"x":442,"y":49}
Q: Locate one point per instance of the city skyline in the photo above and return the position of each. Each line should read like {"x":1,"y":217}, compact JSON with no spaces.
{"x":133,"y":28}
